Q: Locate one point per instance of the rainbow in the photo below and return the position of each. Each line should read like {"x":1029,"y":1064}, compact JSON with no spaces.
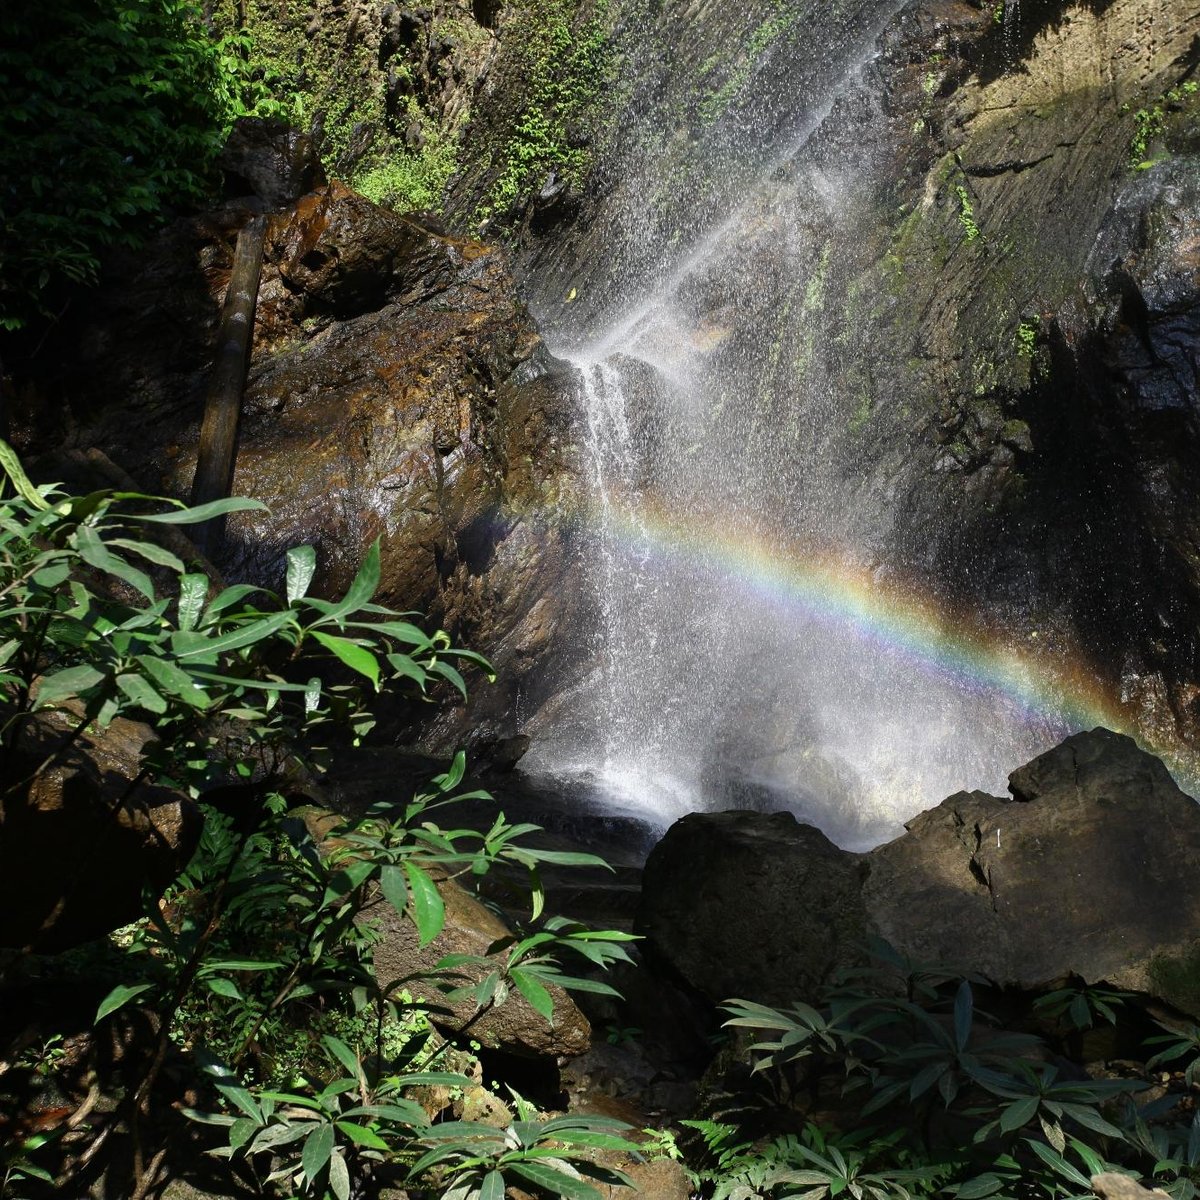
{"x":1048,"y":682}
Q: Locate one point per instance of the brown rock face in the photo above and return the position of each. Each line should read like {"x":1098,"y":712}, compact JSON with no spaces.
{"x":471,"y":928}
{"x":1092,"y":868}
{"x":398,"y":390}
{"x":74,"y":855}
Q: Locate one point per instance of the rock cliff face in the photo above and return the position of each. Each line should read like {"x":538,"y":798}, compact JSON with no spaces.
{"x":1089,"y":870}
{"x":967,"y":307}
{"x":398,"y":390}
{"x":983,"y":260}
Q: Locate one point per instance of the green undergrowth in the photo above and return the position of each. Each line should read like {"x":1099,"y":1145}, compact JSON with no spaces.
{"x":901,"y":1083}
{"x":564,"y":58}
{"x":114,"y":113}
{"x":249,"y":986}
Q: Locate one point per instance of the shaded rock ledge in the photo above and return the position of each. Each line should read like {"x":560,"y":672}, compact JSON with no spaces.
{"x":1091,"y":869}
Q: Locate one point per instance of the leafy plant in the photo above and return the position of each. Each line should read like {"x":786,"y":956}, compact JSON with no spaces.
{"x":478,"y":1162}
{"x":266,"y":937}
{"x":114,"y":111}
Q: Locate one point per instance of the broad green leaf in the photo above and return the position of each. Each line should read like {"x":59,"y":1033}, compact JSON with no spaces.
{"x":361,"y":1135}
{"x":342,"y":1053}
{"x":301,"y":566}
{"x":141,"y":693}
{"x":94,"y":552}
{"x":227,"y":599}
{"x":224,"y":987}
{"x":554,"y":1181}
{"x":354,"y":656}
{"x":339,"y":1177}
{"x":119,"y":997}
{"x":193,"y":592}
{"x":62,"y":685}
{"x":188,"y":646}
{"x":963,"y":1015}
{"x":408,"y":668}
{"x":11,"y":466}
{"x":152,"y":552}
{"x":535,"y":992}
{"x":203,"y":512}
{"x":427,"y":910}
{"x":492,"y":1187}
{"x":362,"y":589}
{"x":52,"y":576}
{"x":446,"y":671}
{"x":391,"y":883}
{"x":318,"y":1148}
{"x":1016,"y":1115}
{"x":174,"y":681}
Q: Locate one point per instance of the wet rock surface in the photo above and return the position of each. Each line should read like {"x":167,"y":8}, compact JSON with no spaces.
{"x":1090,"y":870}
{"x":81,"y":843}
{"x":398,"y":390}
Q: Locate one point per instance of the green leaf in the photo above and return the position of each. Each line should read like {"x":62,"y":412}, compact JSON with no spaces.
{"x":152,"y":552}
{"x":535,"y":992}
{"x":342,"y":1053}
{"x":555,"y":1181}
{"x":63,"y":685}
{"x":141,"y":693}
{"x":492,"y":1187}
{"x":94,"y":552}
{"x":203,"y":512}
{"x":11,"y":466}
{"x":1018,"y":1114}
{"x":979,"y":1187}
{"x":446,"y":671}
{"x":427,"y":910}
{"x":339,"y":1177}
{"x":188,"y":646}
{"x":361,"y":1135}
{"x":391,"y":883}
{"x":301,"y":566}
{"x":318,"y":1148}
{"x":361,"y":590}
{"x":174,"y":681}
{"x":118,"y":998}
{"x":224,"y":987}
{"x":193,"y":592}
{"x":353,"y":655}
{"x":963,"y":1012}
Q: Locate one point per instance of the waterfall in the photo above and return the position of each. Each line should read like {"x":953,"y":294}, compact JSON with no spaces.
{"x":747,"y":649}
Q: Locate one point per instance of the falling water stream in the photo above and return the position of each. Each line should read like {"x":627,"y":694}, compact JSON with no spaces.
{"x":733,"y":662}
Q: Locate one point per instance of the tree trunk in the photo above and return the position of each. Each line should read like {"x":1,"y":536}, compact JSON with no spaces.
{"x":223,"y":407}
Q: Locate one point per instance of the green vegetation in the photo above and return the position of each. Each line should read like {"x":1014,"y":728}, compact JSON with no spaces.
{"x":114,"y":112}
{"x":714,"y":103}
{"x":414,"y":180}
{"x":1027,"y":337}
{"x":256,"y":965}
{"x":565,"y":63}
{"x":966,"y":213}
{"x":920,"y":1092}
{"x":1150,"y":122}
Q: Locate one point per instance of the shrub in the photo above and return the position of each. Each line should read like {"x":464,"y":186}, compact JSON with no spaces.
{"x":261,"y":952}
{"x":114,"y":111}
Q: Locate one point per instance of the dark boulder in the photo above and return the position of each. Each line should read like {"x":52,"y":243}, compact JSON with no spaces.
{"x":750,"y":904}
{"x":82,"y":842}
{"x":1091,"y":869}
{"x":271,"y":160}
